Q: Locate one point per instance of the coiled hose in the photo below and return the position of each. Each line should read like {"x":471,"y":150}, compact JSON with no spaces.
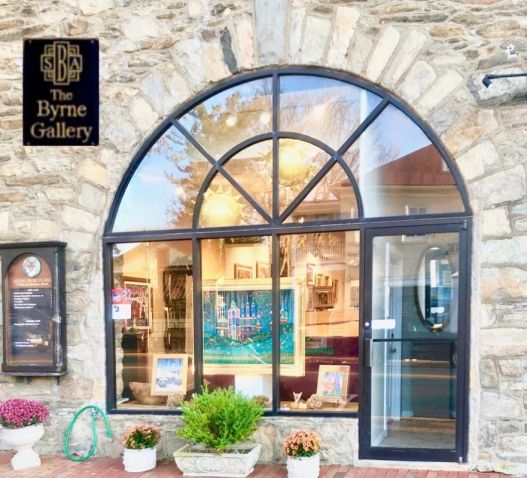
{"x":95,"y":410}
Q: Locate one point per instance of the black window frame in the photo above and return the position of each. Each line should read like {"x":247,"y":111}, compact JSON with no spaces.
{"x":275,"y":227}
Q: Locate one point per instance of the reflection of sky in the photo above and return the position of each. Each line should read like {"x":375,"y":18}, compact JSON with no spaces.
{"x":398,"y":132}
{"x":149,"y":193}
{"x":247,"y":92}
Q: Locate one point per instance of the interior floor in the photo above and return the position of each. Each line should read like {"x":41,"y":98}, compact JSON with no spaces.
{"x":421,"y":433}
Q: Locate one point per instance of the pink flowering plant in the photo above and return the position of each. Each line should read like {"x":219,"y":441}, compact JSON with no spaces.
{"x":139,"y":437}
{"x":19,"y":412}
{"x":303,"y":443}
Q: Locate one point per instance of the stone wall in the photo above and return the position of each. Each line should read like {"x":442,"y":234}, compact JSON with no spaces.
{"x":157,"y":54}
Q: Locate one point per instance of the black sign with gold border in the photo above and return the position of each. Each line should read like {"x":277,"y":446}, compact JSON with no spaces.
{"x":61,"y":92}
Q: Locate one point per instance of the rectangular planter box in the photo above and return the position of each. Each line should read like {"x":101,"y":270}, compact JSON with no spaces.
{"x":232,"y":463}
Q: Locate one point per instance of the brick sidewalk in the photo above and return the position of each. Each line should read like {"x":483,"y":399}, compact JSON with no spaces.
{"x":60,"y":467}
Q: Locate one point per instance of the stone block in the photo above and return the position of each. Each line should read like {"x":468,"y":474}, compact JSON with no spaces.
{"x":79,"y":219}
{"x":140,"y":28}
{"x":270,"y":20}
{"x":404,"y":57}
{"x":500,"y":91}
{"x":142,"y":114}
{"x":295,"y":34}
{"x":417,"y":81}
{"x":496,"y":222}
{"x":471,"y":130}
{"x":505,"y":251}
{"x":488,"y":374}
{"x":504,"y":283}
{"x":499,"y":405}
{"x":94,"y":7}
{"x":244,"y":45}
{"x":213,"y":59}
{"x":346,"y":19}
{"x":92,"y":198}
{"x":4,"y":222}
{"x":45,"y":230}
{"x":506,"y":342}
{"x":315,"y":39}
{"x":472,"y":163}
{"x":196,"y":9}
{"x":359,"y":52}
{"x":164,"y":89}
{"x":445,"y":86}
{"x":382,"y":53}
{"x":187,"y":55}
{"x":505,"y":186}
{"x":511,"y":368}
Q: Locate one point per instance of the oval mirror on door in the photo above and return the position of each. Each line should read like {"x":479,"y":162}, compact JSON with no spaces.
{"x":434,"y":290}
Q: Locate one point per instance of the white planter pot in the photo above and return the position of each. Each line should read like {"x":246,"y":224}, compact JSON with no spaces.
{"x":139,"y":460}
{"x":237,"y":462}
{"x":22,"y":440}
{"x":305,"y":467}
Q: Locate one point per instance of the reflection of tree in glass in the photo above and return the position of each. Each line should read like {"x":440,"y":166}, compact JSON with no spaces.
{"x":219,"y":127}
{"x":190,"y":168}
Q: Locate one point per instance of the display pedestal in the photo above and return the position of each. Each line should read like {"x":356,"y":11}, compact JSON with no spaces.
{"x":252,"y":385}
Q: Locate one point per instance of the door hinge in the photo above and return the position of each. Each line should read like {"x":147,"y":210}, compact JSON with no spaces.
{"x":460,"y":460}
{"x":464,"y":225}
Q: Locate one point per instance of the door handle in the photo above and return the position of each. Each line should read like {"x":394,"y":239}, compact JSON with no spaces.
{"x":368,"y":352}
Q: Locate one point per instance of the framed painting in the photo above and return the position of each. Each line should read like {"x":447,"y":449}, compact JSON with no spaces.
{"x":263,"y":271}
{"x":237,"y":323}
{"x":310,"y":274}
{"x":242,"y":271}
{"x":169,"y":374}
{"x":141,"y":305}
{"x":332,"y":383}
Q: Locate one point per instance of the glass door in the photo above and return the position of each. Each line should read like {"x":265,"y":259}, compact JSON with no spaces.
{"x":413,"y":340}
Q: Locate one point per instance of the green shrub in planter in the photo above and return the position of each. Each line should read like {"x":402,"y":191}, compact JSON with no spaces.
{"x":220,"y":418}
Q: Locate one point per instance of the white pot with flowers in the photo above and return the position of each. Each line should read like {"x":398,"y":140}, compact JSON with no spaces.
{"x":302,"y":449}
{"x":140,"y":452}
{"x":21,"y":422}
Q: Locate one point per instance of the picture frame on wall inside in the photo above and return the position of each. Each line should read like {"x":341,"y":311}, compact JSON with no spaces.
{"x":141,"y":305}
{"x":310,"y":274}
{"x":242,"y":271}
{"x":169,"y":374}
{"x":332,"y":384}
{"x":263,"y":271}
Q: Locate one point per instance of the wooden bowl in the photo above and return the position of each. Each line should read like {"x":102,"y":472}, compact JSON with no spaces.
{"x":141,"y":393}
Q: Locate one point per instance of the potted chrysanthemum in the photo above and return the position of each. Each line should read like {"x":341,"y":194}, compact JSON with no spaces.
{"x":302,"y":449}
{"x":140,"y":453}
{"x":21,"y":422}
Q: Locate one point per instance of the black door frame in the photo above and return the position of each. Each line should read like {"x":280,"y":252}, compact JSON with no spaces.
{"x":459,"y":453}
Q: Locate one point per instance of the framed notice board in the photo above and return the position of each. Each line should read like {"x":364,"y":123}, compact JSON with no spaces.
{"x":34,"y":309}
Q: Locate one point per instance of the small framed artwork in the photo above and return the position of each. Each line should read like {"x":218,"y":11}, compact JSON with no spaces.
{"x":242,"y":271}
{"x":310,"y":274}
{"x":169,"y":374}
{"x":332,"y":383}
{"x":263,"y":271}
{"x":141,"y":310}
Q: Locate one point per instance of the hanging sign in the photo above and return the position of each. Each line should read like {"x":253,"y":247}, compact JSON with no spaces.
{"x":61,"y":92}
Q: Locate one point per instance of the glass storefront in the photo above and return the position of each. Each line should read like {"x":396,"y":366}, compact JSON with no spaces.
{"x":250,"y":246}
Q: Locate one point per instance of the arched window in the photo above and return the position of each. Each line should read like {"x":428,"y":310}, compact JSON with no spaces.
{"x":266,"y":230}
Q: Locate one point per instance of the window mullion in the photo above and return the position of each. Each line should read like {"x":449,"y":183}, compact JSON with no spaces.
{"x":275,"y":329}
{"x":197,"y":314}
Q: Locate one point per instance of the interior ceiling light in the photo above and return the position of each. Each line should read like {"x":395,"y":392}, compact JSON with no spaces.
{"x":220,"y":209}
{"x":293,"y":167}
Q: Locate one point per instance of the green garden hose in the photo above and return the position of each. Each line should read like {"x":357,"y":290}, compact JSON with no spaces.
{"x":95,"y":411}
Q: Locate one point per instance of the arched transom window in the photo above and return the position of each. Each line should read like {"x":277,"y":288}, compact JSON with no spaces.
{"x":235,"y":245}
